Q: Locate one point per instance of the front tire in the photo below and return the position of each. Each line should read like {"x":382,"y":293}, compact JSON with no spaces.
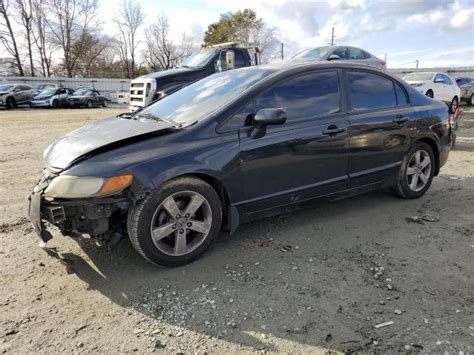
{"x":105,"y":103}
{"x":454,"y":105}
{"x":177,"y":223}
{"x":55,"y":104}
{"x":471,"y":100}
{"x":417,"y":171}
{"x":11,"y":103}
{"x":89,"y":104}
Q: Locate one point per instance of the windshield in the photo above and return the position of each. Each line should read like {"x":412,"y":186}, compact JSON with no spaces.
{"x":313,"y":53}
{"x":82,"y":92}
{"x":6,"y":87}
{"x":418,"y":76}
{"x":199,"y":59}
{"x":48,"y":91}
{"x":196,"y":101}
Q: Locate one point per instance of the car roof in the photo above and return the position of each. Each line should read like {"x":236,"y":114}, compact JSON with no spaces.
{"x":312,"y":64}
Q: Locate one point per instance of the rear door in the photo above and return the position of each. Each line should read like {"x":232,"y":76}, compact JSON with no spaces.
{"x":381,"y":119}
{"x":441,"y":90}
{"x":303,"y":158}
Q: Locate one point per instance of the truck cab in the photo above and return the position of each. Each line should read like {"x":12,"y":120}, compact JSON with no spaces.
{"x":149,"y":88}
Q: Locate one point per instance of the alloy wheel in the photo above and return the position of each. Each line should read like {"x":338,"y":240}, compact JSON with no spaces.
{"x":181,"y":223}
{"x":418,"y":171}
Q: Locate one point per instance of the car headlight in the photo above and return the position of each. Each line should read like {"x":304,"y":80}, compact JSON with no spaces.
{"x":66,"y":186}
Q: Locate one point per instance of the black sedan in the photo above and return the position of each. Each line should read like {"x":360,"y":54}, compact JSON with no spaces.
{"x":87,"y":98}
{"x":238,"y":146}
{"x":467,"y":90}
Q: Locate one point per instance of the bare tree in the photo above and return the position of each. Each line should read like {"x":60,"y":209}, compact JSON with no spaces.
{"x":129,"y":18}
{"x":25,"y":9}
{"x":40,"y":32}
{"x":162,"y":52}
{"x":71,"y":20}
{"x":7,"y":36}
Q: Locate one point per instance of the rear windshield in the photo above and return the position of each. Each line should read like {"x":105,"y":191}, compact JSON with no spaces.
{"x":418,"y":76}
{"x":199,"y":100}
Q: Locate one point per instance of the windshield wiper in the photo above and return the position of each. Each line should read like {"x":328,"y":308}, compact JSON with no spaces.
{"x":156,"y":118}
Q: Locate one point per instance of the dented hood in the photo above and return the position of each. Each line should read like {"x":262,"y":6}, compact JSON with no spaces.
{"x":100,"y":134}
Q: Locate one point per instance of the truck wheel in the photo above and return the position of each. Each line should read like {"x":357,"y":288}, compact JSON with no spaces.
{"x":429,"y":93}
{"x":417,"y":171}
{"x":11,"y":103}
{"x":176,"y":223}
{"x":89,"y":104}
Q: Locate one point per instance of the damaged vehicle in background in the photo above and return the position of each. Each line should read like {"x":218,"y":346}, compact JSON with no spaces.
{"x":51,"y":97}
{"x":12,"y":95}
{"x":87,"y":97}
{"x":239,"y":146}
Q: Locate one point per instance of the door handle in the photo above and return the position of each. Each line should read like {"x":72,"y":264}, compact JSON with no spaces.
{"x":400,"y":119}
{"x":333,"y":131}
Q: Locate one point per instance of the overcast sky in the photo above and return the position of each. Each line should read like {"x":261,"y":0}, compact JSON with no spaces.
{"x":437,"y":32}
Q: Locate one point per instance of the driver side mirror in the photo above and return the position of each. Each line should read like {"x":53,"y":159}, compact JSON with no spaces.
{"x":333,"y":57}
{"x":267,"y":117}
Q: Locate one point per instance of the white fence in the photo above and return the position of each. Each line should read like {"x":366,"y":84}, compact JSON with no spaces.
{"x":105,"y":86}
{"x":455,"y":72}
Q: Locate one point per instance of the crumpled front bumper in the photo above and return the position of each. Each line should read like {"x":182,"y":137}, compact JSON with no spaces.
{"x":93,"y":216}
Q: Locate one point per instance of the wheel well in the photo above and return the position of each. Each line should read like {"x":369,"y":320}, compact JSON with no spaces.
{"x":221,"y":191}
{"x":433,"y":146}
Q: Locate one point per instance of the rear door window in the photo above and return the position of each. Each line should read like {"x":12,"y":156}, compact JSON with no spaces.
{"x":370,"y":91}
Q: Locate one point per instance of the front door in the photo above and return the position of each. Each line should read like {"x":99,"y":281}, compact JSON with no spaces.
{"x":381,"y":120}
{"x":303,"y":158}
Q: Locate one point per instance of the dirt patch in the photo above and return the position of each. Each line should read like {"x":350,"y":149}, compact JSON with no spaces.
{"x":317,"y":280}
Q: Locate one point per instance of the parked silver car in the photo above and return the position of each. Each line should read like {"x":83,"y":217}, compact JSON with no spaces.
{"x":341,"y":53}
{"x":51,"y":97}
{"x":12,"y":95}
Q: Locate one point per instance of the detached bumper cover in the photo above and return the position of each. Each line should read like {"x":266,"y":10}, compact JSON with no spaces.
{"x":34,"y":211}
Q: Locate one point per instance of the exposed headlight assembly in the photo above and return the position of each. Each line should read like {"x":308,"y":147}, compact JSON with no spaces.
{"x":66,"y":186}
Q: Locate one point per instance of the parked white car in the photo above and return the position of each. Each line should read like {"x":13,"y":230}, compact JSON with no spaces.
{"x":436,"y":85}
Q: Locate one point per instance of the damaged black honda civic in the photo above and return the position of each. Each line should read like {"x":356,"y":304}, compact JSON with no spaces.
{"x":239,"y":146}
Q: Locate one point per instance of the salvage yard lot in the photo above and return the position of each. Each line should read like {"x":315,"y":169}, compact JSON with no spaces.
{"x":315,"y":280}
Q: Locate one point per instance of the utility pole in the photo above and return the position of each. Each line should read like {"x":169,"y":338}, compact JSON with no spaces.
{"x":417,"y":62}
{"x":282,"y":51}
{"x":332,"y":37}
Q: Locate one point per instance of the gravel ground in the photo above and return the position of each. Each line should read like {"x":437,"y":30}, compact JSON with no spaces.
{"x":348,"y":276}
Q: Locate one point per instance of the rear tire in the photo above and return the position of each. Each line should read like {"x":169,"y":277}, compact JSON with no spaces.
{"x":164,"y":213}
{"x":11,"y":103}
{"x":414,"y":168}
{"x":454,"y":105}
{"x":55,"y":104}
{"x":471,"y":100}
{"x":105,"y":103}
{"x":429,"y":93}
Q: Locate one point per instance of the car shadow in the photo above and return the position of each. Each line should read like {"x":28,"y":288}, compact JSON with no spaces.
{"x":301,"y":277}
